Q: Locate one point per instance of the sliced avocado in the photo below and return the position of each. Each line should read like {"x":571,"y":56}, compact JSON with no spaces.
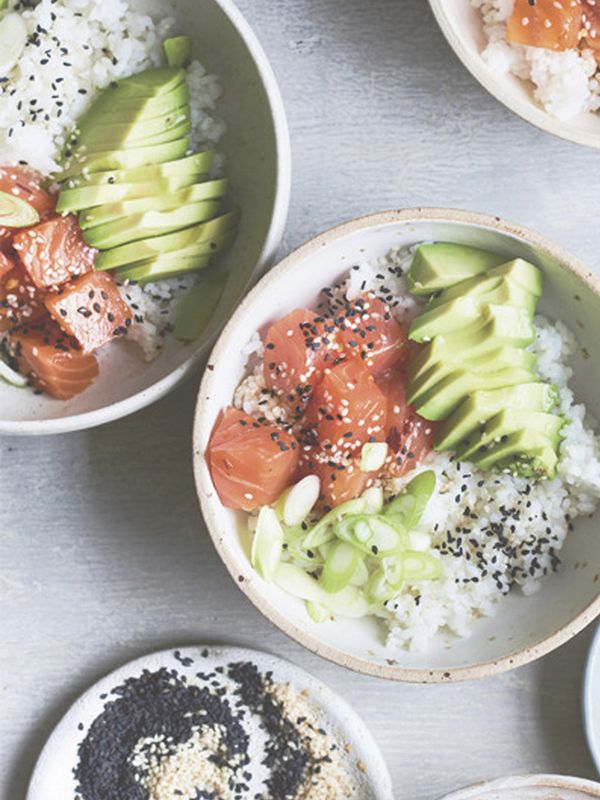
{"x":176,"y":132}
{"x":146,"y":224}
{"x":120,"y":135}
{"x":507,"y":422}
{"x":126,"y":159}
{"x":197,"y":164}
{"x":437,"y":367}
{"x":73,"y":200}
{"x":162,"y":201}
{"x":178,"y":51}
{"x":206,"y":234}
{"x":521,"y":274}
{"x":441,"y":264}
{"x":207,"y":243}
{"x":477,"y":409}
{"x":526,"y":454}
{"x":162,"y":267}
{"x":197,"y":306}
{"x":439,"y":401}
{"x":461,"y":313}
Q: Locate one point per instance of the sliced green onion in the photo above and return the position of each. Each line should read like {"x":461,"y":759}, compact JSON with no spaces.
{"x":419,"y":540}
{"x":16,"y":212}
{"x":339,"y":567}
{"x":317,"y":612}
{"x":361,"y":574}
{"x":373,"y":456}
{"x":13,"y":38}
{"x":408,"y":507}
{"x":374,"y":535}
{"x":350,"y":602}
{"x":378,"y":590}
{"x":393,"y":569}
{"x":267,"y":544}
{"x":11,"y":376}
{"x":420,"y":566}
{"x":373,"y":497}
{"x":296,"y":503}
{"x":320,"y":533}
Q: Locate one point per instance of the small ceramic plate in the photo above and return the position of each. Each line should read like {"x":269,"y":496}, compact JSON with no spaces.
{"x":462,"y":26}
{"x":530,"y":787}
{"x":361,"y":759}
{"x":591,"y":699}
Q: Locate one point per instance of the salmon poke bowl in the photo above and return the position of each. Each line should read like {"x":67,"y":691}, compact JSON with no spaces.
{"x":395,"y":445}
{"x":541,"y":58}
{"x":144,"y":181}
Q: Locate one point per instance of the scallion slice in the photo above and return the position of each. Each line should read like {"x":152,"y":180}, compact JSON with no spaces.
{"x":267,"y":544}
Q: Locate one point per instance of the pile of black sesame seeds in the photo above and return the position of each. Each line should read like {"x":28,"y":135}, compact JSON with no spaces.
{"x":168,"y":706}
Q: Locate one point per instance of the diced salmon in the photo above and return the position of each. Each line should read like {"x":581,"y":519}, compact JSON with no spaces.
{"x":54,"y":251}
{"x":91,"y":309}
{"x":590,"y":32}
{"x":372,"y":333}
{"x":20,"y":300}
{"x":409,"y":436}
{"x":51,"y":359}
{"x":26,"y":184}
{"x":340,"y":475}
{"x":551,"y":24}
{"x":346,"y":410}
{"x":251,"y":462}
{"x":298,"y":347}
{"x":7,"y":264}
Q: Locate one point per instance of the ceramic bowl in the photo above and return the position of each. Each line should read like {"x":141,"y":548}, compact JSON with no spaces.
{"x":525,"y":627}
{"x":530,"y":787}
{"x":462,"y":26}
{"x":591,"y":699}
{"x":257,"y":150}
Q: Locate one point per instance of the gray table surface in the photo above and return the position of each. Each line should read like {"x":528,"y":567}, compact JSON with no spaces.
{"x":103,"y":552}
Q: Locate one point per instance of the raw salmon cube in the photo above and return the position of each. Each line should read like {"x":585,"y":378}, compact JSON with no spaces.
{"x":51,"y":359}
{"x":91,"y":310}
{"x":54,"y":251}
{"x":20,"y":301}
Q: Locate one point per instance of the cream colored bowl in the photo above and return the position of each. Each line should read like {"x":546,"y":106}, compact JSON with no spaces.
{"x":525,"y":627}
{"x":462,"y":26}
{"x":257,"y":149}
{"x":530,"y":787}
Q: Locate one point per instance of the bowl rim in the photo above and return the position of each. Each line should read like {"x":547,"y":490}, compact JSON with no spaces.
{"x":549,"y":780}
{"x":534,"y":115}
{"x":589,"y":677}
{"x":204,"y":487}
{"x":283,"y":155}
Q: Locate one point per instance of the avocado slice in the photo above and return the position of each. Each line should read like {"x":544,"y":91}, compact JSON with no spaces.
{"x":176,"y":132}
{"x":462,"y":313}
{"x":146,"y":225}
{"x":197,"y":306}
{"x":526,"y":454}
{"x":121,"y":135}
{"x":198,"y":164}
{"x":169,"y":243}
{"x":85,"y":197}
{"x":178,"y":51}
{"x":162,"y":201}
{"x":437,"y":367}
{"x":477,"y":409}
{"x":438,"y":265}
{"x":125,"y":159}
{"x":440,"y":400}
{"x":162,"y":267}
{"x":507,"y":422}
{"x":525,"y":282}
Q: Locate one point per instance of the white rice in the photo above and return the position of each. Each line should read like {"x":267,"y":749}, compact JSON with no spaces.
{"x":565,"y":83}
{"x":494,"y":532}
{"x":76,"y":48}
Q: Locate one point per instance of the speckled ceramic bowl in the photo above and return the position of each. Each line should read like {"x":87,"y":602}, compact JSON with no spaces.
{"x":257,"y":149}
{"x":462,"y":26}
{"x":530,"y":787}
{"x":525,"y":627}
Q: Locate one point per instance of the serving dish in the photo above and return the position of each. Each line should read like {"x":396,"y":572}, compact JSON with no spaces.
{"x":462,"y":26}
{"x":525,"y":627}
{"x":257,"y":150}
{"x":591,"y":698}
{"x":54,"y":773}
{"x":532,"y":787}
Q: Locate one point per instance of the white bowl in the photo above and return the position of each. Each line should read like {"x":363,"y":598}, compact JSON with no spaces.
{"x":257,"y":148}
{"x":530,"y":787}
{"x":462,"y":26}
{"x":525,"y":627}
{"x":591,"y":699}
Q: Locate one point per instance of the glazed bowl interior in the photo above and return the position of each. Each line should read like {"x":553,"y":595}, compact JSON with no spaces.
{"x":462,"y":26}
{"x":525,"y":627}
{"x":256,"y":147}
{"x":530,"y":787}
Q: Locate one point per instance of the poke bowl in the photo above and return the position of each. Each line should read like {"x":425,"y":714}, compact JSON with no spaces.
{"x":361,"y":458}
{"x":543,"y":787}
{"x":540,"y":61}
{"x":144,"y":183}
